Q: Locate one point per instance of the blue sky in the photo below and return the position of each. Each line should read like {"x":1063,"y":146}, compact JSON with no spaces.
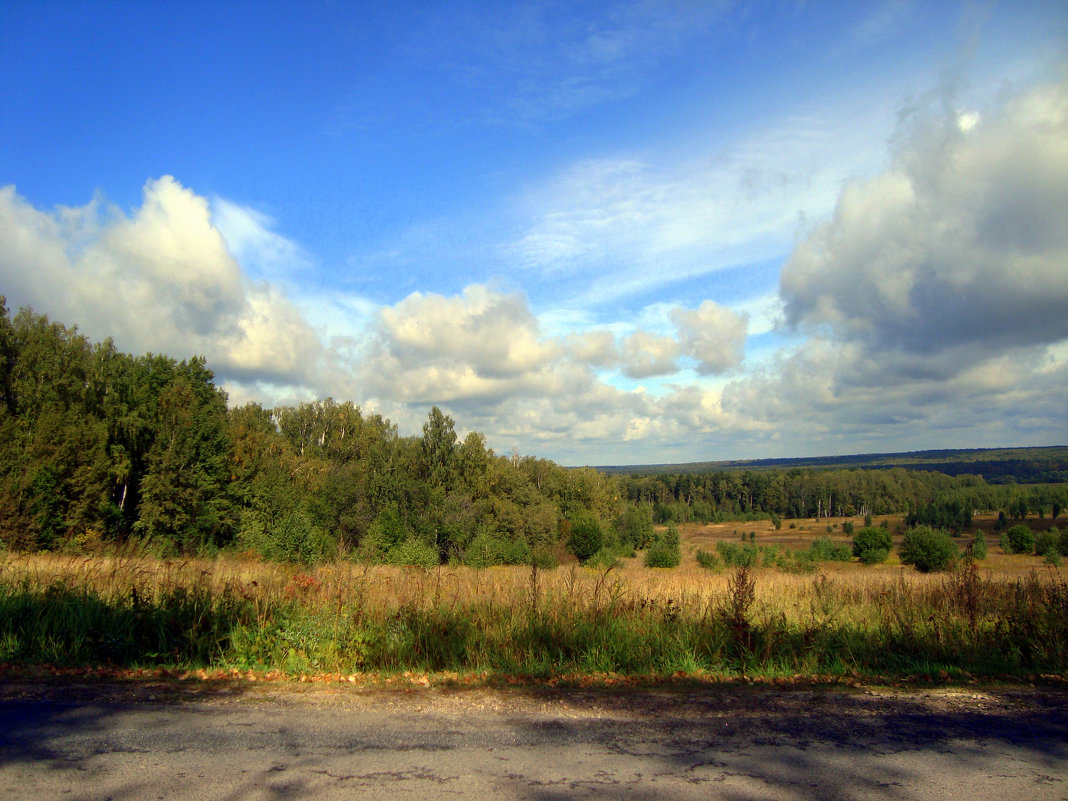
{"x":597,"y":232}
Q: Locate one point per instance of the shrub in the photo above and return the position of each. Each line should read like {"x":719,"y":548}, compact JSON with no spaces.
{"x":826,"y":550}
{"x":604,"y":558}
{"x":872,"y":545}
{"x":586,"y":537}
{"x":979,"y":546}
{"x":709,"y":560}
{"x":776,"y":522}
{"x":413,"y":552}
{"x":664,"y":552}
{"x":1018,"y":539}
{"x":1047,"y":542}
{"x":744,"y":555}
{"x":928,"y":549}
{"x":847,"y":527}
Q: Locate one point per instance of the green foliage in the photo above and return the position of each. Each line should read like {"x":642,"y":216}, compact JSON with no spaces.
{"x":664,"y":552}
{"x":413,"y":552}
{"x":928,"y":549}
{"x":604,"y":558}
{"x":709,"y":560}
{"x":978,"y":546}
{"x":947,"y":512}
{"x":847,"y":527}
{"x":872,"y":545}
{"x":586,"y":537}
{"x":1047,"y":542}
{"x":825,"y":549}
{"x":738,"y":555}
{"x":488,"y":549}
{"x":634,"y":525}
{"x":1018,"y":539}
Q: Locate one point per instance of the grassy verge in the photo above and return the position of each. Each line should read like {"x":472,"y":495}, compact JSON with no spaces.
{"x":343,"y":619}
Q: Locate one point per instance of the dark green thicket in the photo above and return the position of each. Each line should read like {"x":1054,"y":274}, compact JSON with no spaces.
{"x":872,"y":545}
{"x":928,"y":549}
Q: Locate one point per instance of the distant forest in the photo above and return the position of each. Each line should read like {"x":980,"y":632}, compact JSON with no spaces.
{"x":1040,"y":465}
{"x":100,"y":447}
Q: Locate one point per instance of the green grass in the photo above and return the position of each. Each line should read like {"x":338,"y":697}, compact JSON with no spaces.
{"x":509,"y":623}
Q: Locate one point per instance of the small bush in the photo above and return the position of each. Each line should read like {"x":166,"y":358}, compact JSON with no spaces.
{"x":847,"y":527}
{"x":928,"y":549}
{"x":709,"y":560}
{"x":826,"y":550}
{"x":664,"y":552}
{"x":776,"y":522}
{"x":872,"y":545}
{"x":1053,"y":558}
{"x":1018,"y":539}
{"x":1047,"y":542}
{"x":604,"y":558}
{"x":413,"y":552}
{"x":744,"y":555}
{"x":979,"y":546}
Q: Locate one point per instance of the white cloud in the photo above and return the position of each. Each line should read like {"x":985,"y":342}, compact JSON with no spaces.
{"x":260,"y":251}
{"x":956,"y":253}
{"x":162,"y":280}
{"x":645,"y":355}
{"x":713,"y":335}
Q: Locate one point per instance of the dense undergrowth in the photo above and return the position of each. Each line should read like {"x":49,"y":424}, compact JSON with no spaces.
{"x":515,"y":621}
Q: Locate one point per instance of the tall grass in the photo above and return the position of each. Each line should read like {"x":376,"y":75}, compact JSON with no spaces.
{"x":135,"y":611}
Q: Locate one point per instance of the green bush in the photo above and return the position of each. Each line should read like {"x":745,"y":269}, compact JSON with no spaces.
{"x":664,"y":552}
{"x":586,"y":538}
{"x":847,"y":527}
{"x":827,"y":550}
{"x":1047,"y":542}
{"x":735,"y":555}
{"x":928,"y":549}
{"x":872,"y":545}
{"x":1018,"y":539}
{"x":413,"y":553}
{"x":979,"y":546}
{"x":604,"y":558}
{"x":709,"y":560}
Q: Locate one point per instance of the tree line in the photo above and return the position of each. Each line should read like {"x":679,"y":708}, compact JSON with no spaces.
{"x":99,"y":446}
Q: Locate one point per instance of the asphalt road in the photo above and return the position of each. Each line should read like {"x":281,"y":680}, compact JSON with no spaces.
{"x":77,"y":741}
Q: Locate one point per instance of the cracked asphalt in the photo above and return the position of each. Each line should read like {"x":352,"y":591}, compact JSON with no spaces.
{"x":65,"y":740}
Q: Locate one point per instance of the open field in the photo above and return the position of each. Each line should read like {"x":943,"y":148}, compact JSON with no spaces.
{"x":1004,"y":617}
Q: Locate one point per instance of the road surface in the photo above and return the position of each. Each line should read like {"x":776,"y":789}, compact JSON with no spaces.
{"x":249,"y":741}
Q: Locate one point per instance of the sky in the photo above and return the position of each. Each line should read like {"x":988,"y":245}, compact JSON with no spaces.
{"x":600,"y":233}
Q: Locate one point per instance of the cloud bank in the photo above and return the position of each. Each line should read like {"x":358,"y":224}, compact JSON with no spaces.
{"x":927,"y":310}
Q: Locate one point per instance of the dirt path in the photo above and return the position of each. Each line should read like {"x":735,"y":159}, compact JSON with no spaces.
{"x":252,"y":741}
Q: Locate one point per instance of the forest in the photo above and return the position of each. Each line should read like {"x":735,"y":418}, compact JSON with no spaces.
{"x":99,"y":447}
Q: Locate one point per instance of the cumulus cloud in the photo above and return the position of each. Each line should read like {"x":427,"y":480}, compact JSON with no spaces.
{"x":713,"y":335}
{"x":645,"y":355}
{"x":430,"y":348}
{"x":161,"y":280}
{"x":932,"y":301}
{"x":959,"y":251}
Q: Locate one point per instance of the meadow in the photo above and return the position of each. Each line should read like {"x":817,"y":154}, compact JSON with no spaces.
{"x":1005,"y":617}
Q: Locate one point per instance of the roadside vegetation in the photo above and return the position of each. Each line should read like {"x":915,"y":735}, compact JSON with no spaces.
{"x":998,"y":619}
